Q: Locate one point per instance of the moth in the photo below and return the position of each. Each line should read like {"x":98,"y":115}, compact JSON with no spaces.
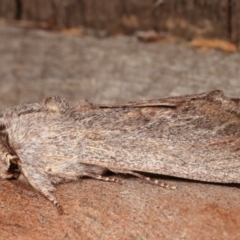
{"x":195,"y":137}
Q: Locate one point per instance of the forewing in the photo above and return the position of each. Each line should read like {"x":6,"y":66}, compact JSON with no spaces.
{"x":198,"y":138}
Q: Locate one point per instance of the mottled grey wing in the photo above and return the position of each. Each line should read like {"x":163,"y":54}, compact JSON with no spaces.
{"x":198,"y":138}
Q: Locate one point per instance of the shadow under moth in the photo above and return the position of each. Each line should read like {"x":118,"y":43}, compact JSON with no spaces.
{"x":194,"y":137}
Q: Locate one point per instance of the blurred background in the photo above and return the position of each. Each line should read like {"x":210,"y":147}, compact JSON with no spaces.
{"x":118,"y":50}
{"x":114,"y":51}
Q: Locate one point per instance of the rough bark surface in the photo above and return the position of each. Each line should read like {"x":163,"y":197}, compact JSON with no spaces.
{"x":35,"y":64}
{"x":185,"y":18}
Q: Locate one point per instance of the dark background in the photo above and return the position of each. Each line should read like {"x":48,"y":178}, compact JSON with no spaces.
{"x":186,"y":18}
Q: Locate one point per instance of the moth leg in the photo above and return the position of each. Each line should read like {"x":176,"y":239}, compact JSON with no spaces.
{"x":148,"y":179}
{"x":40,"y":182}
{"x":102,"y":178}
{"x":154,"y":181}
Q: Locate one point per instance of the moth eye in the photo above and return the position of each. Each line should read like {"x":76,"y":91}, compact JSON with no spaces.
{"x":13,"y":168}
{"x":2,"y":127}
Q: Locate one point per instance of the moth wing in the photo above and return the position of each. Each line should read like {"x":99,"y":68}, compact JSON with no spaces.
{"x":218,"y":161}
{"x":198,"y":139}
{"x":167,"y":102}
{"x":139,"y":104}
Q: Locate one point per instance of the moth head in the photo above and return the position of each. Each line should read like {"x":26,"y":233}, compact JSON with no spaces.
{"x":5,"y":163}
{"x":8,"y":161}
